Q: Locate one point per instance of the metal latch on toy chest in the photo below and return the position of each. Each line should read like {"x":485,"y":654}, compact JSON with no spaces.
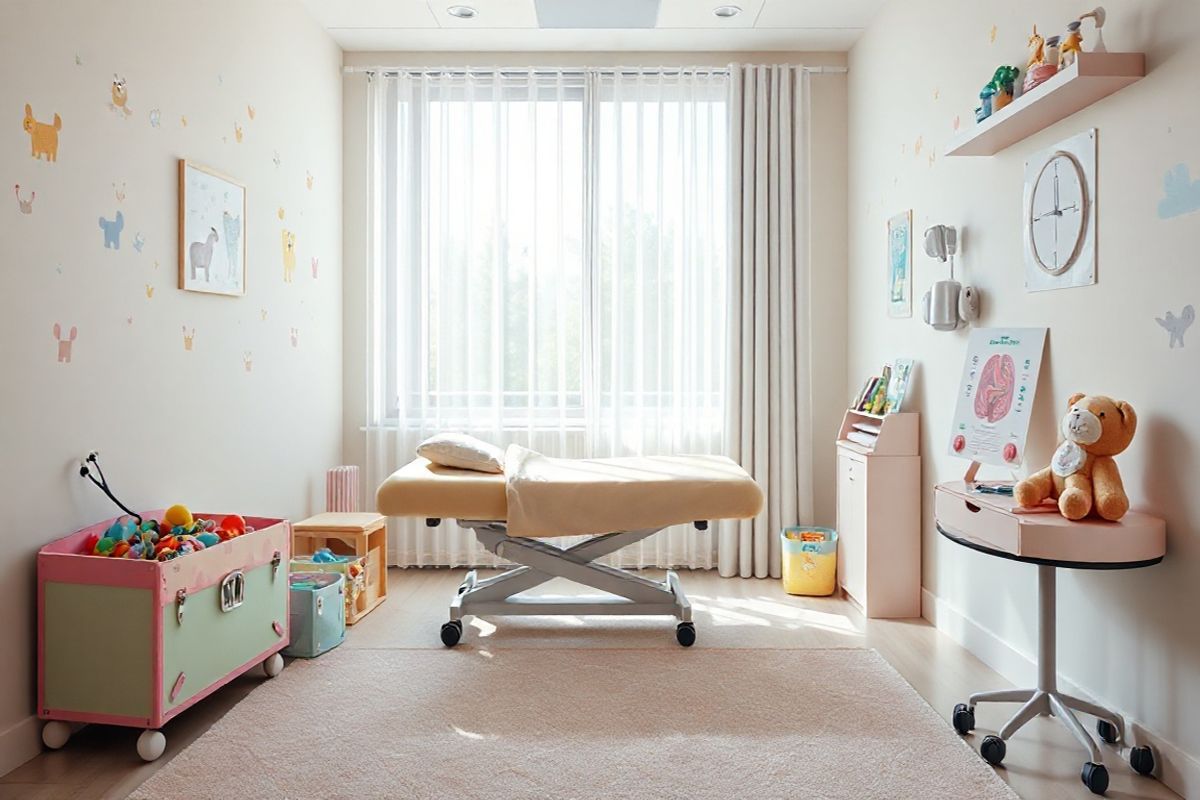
{"x":180,"y":598}
{"x":276,"y":560}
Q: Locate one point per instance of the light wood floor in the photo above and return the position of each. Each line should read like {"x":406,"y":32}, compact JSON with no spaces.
{"x":1043,"y":761}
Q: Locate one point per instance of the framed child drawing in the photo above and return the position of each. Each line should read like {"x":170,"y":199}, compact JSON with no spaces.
{"x":899,"y":265}
{"x":212,"y":241}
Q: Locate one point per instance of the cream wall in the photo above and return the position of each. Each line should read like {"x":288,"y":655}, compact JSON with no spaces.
{"x":827,"y":248}
{"x":172,"y":425}
{"x":1130,"y":639}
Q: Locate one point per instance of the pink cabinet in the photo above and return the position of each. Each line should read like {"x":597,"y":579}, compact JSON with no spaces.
{"x":879,"y":514}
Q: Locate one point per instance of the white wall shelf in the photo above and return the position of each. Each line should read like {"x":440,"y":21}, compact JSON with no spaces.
{"x":1093,"y":76}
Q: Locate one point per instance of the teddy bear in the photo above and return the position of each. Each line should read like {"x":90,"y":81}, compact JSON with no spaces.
{"x":1082,"y":475}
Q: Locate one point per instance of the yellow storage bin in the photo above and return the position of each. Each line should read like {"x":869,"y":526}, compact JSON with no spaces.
{"x":809,"y":560}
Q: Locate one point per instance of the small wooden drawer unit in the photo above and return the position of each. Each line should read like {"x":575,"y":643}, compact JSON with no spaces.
{"x":350,"y":534}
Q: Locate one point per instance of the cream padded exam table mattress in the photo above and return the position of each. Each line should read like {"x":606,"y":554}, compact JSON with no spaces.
{"x":539,"y":496}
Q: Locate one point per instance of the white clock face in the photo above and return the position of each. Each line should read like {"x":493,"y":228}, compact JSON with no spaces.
{"x":1058,"y":214}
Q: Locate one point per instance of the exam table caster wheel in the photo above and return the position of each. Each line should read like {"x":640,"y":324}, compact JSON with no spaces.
{"x":993,"y":750}
{"x":273,"y":665}
{"x":1142,"y":760}
{"x":1107,"y":731}
{"x":685,"y":634}
{"x":55,"y":734}
{"x":451,"y":632}
{"x":151,"y":744}
{"x":963,"y":719}
{"x":1094,"y":777}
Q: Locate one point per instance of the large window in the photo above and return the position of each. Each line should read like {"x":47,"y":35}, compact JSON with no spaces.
{"x":554,"y":254}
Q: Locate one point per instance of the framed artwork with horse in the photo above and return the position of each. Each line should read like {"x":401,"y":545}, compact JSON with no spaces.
{"x":212,"y":236}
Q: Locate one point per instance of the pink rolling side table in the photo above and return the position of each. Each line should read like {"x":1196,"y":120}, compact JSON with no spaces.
{"x":994,"y":525}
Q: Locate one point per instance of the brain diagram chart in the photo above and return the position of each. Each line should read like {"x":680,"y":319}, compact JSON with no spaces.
{"x":995,"y":395}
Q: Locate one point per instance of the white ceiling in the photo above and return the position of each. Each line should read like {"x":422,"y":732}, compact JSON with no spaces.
{"x":418,"y":25}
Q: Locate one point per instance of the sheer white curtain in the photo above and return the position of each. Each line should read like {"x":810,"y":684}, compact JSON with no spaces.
{"x":549,"y":266}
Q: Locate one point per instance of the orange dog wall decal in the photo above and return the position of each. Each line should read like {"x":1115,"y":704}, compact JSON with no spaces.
{"x":43,"y":135}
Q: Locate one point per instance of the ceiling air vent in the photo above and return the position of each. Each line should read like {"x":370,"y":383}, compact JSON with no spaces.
{"x":597,"y":13}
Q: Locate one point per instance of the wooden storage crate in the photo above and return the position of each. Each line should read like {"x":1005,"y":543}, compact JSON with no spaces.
{"x":350,"y":534}
{"x":131,"y":642}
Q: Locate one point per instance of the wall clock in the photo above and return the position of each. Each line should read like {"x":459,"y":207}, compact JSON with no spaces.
{"x":1060,"y":215}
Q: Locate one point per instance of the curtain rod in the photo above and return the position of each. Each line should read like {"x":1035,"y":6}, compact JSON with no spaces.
{"x":395,"y":70}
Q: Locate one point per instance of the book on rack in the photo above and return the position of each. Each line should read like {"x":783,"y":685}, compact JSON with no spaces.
{"x":867,"y":427}
{"x":856,"y":405}
{"x":898,"y":385}
{"x":880,"y":396}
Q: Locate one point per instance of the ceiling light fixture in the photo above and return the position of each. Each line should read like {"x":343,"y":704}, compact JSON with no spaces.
{"x":725,"y":12}
{"x":462,"y":12}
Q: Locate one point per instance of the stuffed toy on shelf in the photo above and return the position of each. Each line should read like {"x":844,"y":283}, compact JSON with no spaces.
{"x":1082,"y":475}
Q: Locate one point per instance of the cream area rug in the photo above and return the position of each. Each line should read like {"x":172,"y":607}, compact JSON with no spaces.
{"x":581,"y":723}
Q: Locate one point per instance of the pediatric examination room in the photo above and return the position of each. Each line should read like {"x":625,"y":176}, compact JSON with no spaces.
{"x":575,"y":400}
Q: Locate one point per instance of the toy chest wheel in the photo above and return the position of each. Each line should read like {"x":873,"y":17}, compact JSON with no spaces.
{"x":130,"y":642}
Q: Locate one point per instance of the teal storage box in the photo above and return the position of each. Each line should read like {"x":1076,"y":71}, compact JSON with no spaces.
{"x":318,"y":618}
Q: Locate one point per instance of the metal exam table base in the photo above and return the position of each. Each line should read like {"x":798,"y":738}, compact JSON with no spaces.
{"x":626,"y":592}
{"x":522,"y":515}
{"x":988,"y":524}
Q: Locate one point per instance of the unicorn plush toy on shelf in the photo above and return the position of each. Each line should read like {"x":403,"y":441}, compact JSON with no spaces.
{"x":1039,"y":68}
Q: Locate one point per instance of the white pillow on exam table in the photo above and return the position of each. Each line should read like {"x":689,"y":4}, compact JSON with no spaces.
{"x":462,"y":451}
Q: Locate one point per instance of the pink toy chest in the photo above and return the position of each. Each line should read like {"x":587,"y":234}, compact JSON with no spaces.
{"x":134,"y":643}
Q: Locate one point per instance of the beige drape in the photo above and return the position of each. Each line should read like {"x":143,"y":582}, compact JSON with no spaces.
{"x":768,"y":365}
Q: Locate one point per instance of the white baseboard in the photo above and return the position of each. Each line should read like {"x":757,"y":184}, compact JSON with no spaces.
{"x":1175,"y":768}
{"x":20,"y":743}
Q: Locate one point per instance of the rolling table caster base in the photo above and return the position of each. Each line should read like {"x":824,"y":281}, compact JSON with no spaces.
{"x":1047,"y":700}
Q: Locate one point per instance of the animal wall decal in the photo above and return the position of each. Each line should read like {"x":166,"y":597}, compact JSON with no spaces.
{"x":64,"y":345}
{"x":139,"y":241}
{"x":263,"y":312}
{"x":43,"y":136}
{"x":155,"y":118}
{"x":149,"y":292}
{"x":247,"y":361}
{"x":308,"y":179}
{"x":112,"y":231}
{"x":1177,"y":326}
{"x":120,"y":97}
{"x":250,"y":111}
{"x":237,"y":132}
{"x":289,"y":255}
{"x":233,"y":234}
{"x":25,"y":206}
{"x":295,"y":337}
{"x":119,"y":192}
{"x":276,"y":159}
{"x":200,"y":254}
{"x":315,"y":264}
{"x":188,"y":338}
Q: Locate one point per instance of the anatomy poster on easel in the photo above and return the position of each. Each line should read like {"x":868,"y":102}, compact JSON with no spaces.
{"x":995,"y":397}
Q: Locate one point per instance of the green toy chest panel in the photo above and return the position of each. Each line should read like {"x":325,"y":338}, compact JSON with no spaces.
{"x":210,"y":643}
{"x":98,"y":658}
